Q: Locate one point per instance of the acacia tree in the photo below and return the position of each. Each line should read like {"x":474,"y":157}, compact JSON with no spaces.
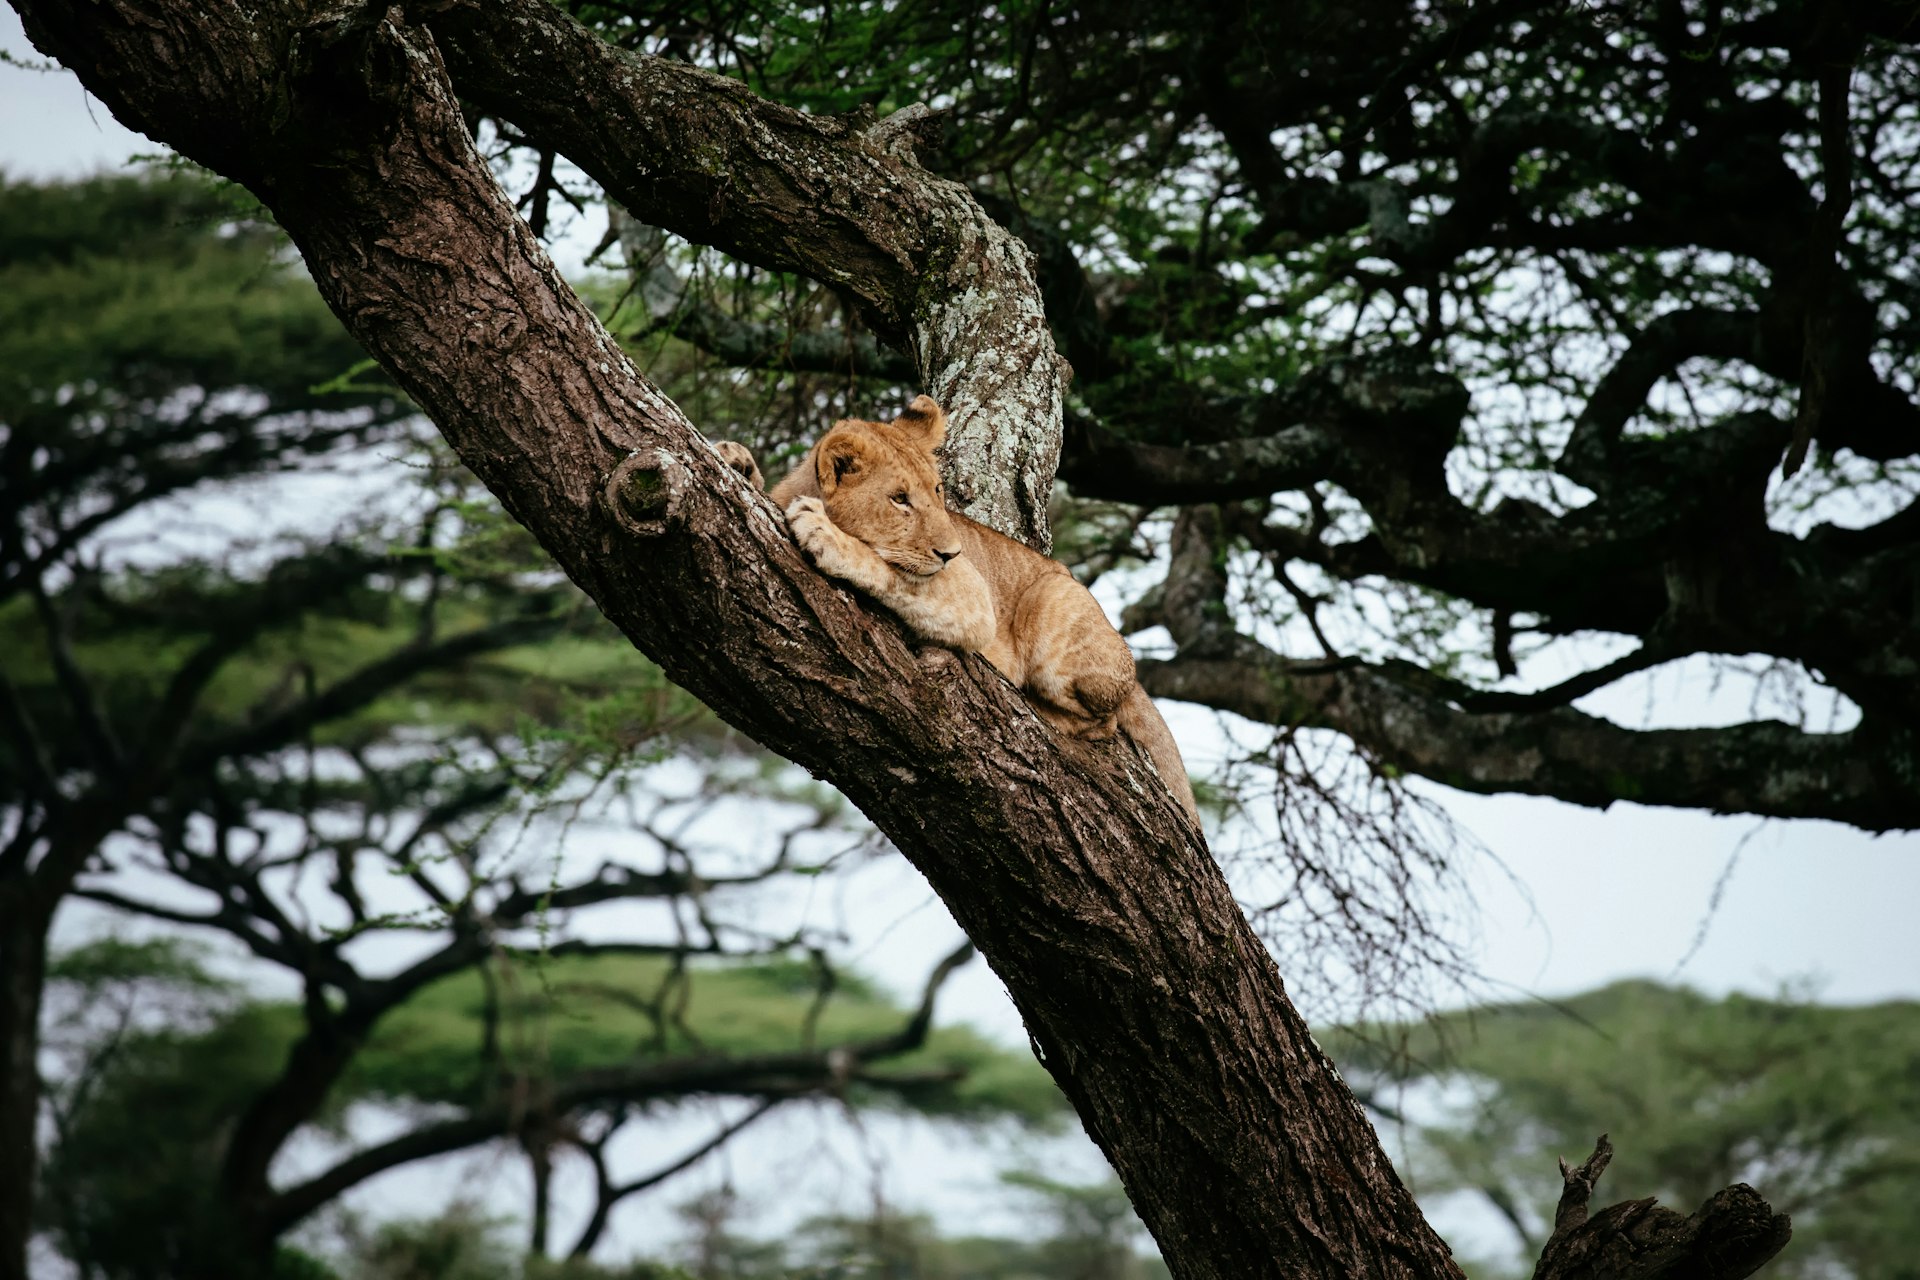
{"x":414,"y":850}
{"x":158,"y":1112}
{"x":1603,"y":334}
{"x":152,"y":342}
{"x":1146,"y":993}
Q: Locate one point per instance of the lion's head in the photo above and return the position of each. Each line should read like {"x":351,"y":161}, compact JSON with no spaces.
{"x":881,"y":484}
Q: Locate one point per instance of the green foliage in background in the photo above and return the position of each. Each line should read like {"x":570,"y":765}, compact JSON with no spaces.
{"x":1818,"y":1107}
{"x":133,"y":646}
{"x":153,"y":1049}
{"x":561,"y":1016}
{"x":124,"y":291}
{"x":161,"y":346}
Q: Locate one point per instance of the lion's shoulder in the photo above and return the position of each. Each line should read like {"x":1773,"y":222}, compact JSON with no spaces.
{"x":1009,"y":565}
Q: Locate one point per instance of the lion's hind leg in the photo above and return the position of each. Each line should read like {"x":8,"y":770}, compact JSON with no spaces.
{"x":1079,"y":672}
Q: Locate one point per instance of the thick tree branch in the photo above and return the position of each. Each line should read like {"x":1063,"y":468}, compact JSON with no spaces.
{"x":1382,"y":424}
{"x":1674,"y":185}
{"x":1675,"y":549}
{"x":1655,"y":352}
{"x":1098,"y":463}
{"x":751,"y":344}
{"x":677,"y":310}
{"x":1395,"y":713}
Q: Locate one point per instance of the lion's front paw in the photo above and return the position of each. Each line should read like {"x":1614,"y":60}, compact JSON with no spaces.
{"x":740,"y":458}
{"x":807,"y":517}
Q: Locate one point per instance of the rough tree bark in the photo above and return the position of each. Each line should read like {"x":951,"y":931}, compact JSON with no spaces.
{"x":1146,"y":993}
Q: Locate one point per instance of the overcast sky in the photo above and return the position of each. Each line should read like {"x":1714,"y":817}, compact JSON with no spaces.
{"x":1571,"y":898}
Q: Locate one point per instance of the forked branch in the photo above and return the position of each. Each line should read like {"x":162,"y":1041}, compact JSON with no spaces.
{"x":1728,"y":1238}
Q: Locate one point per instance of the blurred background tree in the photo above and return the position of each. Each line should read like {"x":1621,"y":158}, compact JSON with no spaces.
{"x":160,"y":1062}
{"x":278,"y":673}
{"x":1815,"y":1103}
{"x":1818,"y":1105}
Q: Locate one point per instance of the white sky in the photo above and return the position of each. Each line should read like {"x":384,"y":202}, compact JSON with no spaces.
{"x":49,"y":126}
{"x":1599,"y":896}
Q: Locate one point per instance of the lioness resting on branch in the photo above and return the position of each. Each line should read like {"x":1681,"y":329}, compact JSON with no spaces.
{"x":866,"y":504}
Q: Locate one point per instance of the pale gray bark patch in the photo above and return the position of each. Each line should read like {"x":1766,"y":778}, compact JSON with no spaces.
{"x":985,"y":352}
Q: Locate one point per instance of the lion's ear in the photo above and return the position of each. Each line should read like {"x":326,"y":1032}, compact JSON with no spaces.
{"x":842,"y":453}
{"x":926,"y":421}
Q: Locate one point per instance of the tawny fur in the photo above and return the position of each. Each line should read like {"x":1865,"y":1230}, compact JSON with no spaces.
{"x":866,"y":505}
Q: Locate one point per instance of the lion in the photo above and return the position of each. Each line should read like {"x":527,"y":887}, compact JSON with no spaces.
{"x":867,"y":506}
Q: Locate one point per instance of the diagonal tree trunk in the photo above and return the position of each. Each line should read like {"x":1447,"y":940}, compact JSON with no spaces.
{"x":1146,"y":993}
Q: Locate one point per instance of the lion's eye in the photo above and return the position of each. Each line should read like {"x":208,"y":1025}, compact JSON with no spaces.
{"x":902,"y":499}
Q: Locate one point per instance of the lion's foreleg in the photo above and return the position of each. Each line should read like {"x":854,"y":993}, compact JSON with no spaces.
{"x":836,"y":553}
{"x":952,"y":607}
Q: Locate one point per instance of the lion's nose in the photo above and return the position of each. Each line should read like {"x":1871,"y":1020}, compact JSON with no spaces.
{"x":945,"y":555}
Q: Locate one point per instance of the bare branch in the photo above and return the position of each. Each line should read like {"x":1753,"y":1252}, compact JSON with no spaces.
{"x":609,"y":1196}
{"x":1580,"y":1181}
{"x":772,"y":1077}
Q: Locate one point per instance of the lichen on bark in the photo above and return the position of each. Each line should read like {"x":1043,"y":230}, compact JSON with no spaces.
{"x":983,"y":347}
